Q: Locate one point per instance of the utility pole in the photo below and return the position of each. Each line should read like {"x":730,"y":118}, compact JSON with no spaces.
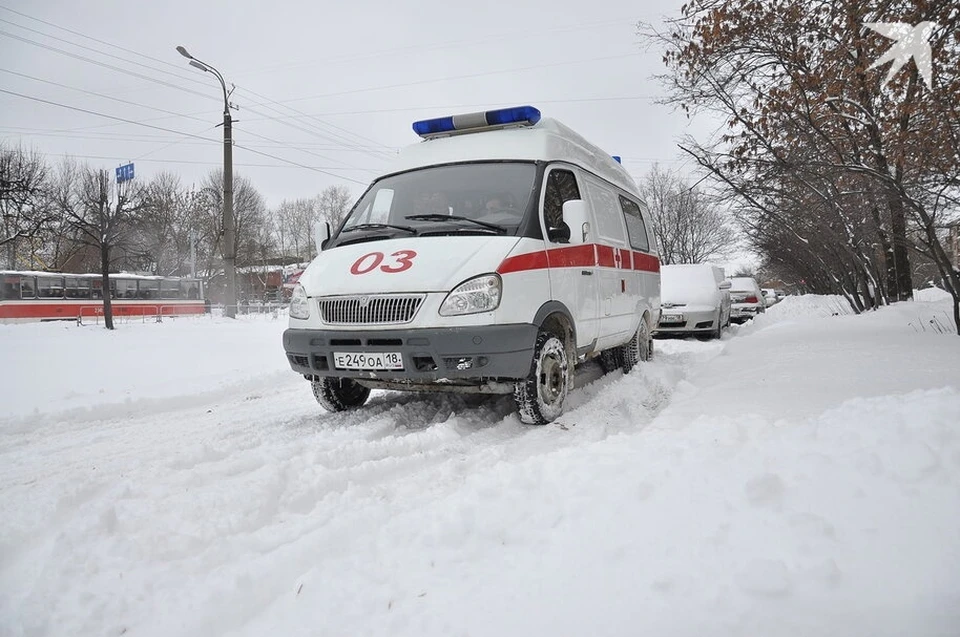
{"x":229,"y":228}
{"x":229,"y":231}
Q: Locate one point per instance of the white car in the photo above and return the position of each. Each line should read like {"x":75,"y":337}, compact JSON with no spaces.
{"x":748,"y":300}
{"x":694,"y":300}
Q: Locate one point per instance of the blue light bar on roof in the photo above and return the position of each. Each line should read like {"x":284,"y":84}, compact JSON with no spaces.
{"x":476,"y":121}
{"x":616,"y":158}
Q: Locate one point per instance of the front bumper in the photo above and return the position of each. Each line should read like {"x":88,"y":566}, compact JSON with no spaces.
{"x":466,"y":354}
{"x":694,"y":321}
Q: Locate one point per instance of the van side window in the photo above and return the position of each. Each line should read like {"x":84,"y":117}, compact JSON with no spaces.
{"x":605,"y":206}
{"x":561,"y":187}
{"x":636,"y":228}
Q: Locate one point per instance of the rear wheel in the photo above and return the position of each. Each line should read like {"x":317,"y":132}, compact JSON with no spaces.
{"x":339,"y":394}
{"x":540,"y":396}
{"x":626,"y":357}
{"x":639,"y":349}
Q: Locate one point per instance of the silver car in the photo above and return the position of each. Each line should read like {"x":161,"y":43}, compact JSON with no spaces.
{"x":748,"y":299}
{"x":694,"y":299}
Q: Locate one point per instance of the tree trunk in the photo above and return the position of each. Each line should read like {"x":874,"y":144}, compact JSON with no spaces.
{"x":105,"y":278}
{"x":901,"y":259}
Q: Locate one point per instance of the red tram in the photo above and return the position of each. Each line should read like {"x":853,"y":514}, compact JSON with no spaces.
{"x":48,"y":296}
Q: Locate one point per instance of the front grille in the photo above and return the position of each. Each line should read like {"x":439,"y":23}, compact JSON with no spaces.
{"x":369,"y":310}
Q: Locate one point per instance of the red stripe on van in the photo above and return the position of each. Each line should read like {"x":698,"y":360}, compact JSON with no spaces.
{"x":522,"y":262}
{"x":645,"y":262}
{"x":582,"y":256}
{"x":587,"y":255}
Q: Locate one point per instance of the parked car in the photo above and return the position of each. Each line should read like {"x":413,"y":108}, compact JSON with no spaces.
{"x":748,"y":301}
{"x":769,"y":297}
{"x":694,"y":300}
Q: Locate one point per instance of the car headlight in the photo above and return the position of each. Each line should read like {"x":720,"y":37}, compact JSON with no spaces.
{"x":299,"y":304}
{"x":481,"y":294}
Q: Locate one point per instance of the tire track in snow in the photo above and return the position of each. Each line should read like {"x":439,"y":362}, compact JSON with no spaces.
{"x":183,"y":493}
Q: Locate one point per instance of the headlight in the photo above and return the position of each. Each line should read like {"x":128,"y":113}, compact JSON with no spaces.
{"x":299,"y":304}
{"x":481,"y":294}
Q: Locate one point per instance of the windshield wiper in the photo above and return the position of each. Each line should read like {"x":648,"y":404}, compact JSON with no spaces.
{"x":378,"y":226}
{"x":439,"y":217}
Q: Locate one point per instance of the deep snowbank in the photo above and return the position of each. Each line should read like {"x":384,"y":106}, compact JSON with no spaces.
{"x":800,"y":477}
{"x":56,"y":367}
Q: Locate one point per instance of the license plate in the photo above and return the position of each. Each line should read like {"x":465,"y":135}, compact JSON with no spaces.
{"x":368,"y":361}
{"x":671,"y":318}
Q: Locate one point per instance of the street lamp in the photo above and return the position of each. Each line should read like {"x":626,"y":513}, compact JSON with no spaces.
{"x":229,"y":241}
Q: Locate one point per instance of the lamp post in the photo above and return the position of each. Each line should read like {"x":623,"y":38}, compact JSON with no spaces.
{"x":229,"y":241}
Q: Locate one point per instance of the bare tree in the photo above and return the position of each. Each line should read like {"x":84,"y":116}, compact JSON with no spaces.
{"x":24,"y":209}
{"x":249,"y":211}
{"x":689,"y":226}
{"x":836,"y":170}
{"x":293,"y":221}
{"x":100,"y":216}
{"x":333,"y":203}
{"x":169,"y":221}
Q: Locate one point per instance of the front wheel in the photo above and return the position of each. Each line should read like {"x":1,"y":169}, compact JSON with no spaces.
{"x":540,"y":396}
{"x":339,"y":394}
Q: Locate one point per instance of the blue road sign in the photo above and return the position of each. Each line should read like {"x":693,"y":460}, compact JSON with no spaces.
{"x":124,"y":173}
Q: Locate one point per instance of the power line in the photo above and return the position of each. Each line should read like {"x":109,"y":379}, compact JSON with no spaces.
{"x":101,"y":95}
{"x":526,"y":33}
{"x":516,"y":69}
{"x":105,"y":65}
{"x":345,"y":164}
{"x":169,"y":130}
{"x":192,"y":162}
{"x":179,"y":75}
{"x":441,"y":107}
{"x":103,"y":42}
{"x":322,"y":134}
{"x":149,"y":139}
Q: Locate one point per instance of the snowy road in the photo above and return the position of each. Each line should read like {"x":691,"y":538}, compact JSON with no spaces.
{"x":783,"y":481}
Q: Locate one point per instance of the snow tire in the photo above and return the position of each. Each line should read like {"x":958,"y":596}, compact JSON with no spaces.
{"x":540,"y":396}
{"x":339,"y":394}
{"x":638,"y":350}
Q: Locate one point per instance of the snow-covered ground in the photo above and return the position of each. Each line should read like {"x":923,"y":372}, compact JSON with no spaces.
{"x":799,"y":477}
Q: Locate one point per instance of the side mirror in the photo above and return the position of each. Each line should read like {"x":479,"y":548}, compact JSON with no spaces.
{"x":321,"y":234}
{"x":575,"y":217}
{"x":725,"y":285}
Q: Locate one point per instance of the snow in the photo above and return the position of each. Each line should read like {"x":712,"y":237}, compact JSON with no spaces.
{"x":744,"y":284}
{"x":801,"y":476}
{"x":932,"y":295}
{"x":691,"y":284}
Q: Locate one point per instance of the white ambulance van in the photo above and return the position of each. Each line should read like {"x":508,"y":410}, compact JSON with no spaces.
{"x":498,"y":254}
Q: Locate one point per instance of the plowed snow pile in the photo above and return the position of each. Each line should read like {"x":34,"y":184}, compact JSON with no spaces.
{"x":799,"y":477}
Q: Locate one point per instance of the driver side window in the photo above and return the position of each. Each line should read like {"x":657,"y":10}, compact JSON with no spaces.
{"x":561,"y":187}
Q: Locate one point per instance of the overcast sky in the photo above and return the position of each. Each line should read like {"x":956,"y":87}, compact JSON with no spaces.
{"x":326,"y":91}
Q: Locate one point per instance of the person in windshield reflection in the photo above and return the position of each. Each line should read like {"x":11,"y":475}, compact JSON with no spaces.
{"x":498,"y":202}
{"x":431,"y":203}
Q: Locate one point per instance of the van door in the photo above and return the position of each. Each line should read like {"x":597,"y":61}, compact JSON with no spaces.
{"x":572,"y":265}
{"x":646,"y":265}
{"x":618,"y":287}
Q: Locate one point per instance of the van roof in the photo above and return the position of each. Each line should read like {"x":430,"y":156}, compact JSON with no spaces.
{"x":547,"y":140}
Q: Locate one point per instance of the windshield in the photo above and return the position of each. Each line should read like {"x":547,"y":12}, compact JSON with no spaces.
{"x":477,"y":198}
